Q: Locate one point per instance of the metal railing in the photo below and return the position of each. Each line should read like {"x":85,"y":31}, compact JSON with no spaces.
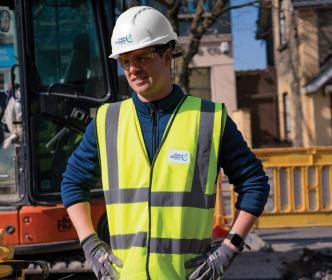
{"x":301,"y":188}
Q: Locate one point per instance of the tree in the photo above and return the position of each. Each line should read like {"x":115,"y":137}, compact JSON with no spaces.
{"x":201,"y":21}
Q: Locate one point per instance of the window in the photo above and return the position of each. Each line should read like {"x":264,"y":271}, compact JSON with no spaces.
{"x":10,"y":106}
{"x":191,"y":6}
{"x":54,"y":144}
{"x":324,"y":36}
{"x":282,"y":24}
{"x":286,"y":116}
{"x":199,"y":83}
{"x":68,"y":58}
{"x":66,"y":48}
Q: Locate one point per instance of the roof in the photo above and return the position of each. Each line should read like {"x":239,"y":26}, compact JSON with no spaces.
{"x":319,"y":81}
{"x":305,"y":3}
{"x":266,"y":71}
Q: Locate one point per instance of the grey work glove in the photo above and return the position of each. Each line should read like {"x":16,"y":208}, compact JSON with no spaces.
{"x":212,"y":264}
{"x":100,"y":255}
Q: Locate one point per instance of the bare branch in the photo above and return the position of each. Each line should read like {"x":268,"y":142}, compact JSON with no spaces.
{"x":167,"y":3}
{"x":201,"y":22}
{"x":172,"y":14}
{"x":198,"y":16}
{"x":174,"y":10}
{"x":239,"y":6}
{"x":218,"y":9}
{"x":173,"y":7}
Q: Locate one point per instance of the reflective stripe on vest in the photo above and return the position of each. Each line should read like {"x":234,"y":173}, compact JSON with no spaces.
{"x":160,"y":214}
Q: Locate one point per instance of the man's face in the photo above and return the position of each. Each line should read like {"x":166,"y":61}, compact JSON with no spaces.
{"x":148,"y":73}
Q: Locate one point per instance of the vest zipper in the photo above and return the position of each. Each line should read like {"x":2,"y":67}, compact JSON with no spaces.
{"x":154,"y":149}
{"x":155,"y":152}
{"x":154,"y":131}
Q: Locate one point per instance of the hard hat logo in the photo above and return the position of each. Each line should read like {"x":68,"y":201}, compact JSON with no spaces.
{"x":125,"y":39}
{"x":140,"y":27}
{"x":130,"y":38}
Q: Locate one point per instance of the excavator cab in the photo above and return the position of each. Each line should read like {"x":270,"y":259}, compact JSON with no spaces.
{"x":54,"y":74}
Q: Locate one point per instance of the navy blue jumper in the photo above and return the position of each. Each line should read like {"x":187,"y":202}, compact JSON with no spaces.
{"x":239,"y":163}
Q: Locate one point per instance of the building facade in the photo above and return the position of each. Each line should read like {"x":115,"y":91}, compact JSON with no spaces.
{"x":298,"y":35}
{"x":212,"y":73}
{"x":257,"y":93}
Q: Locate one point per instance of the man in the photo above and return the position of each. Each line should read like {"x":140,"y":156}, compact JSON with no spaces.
{"x":160,"y":153}
{"x":11,"y":116}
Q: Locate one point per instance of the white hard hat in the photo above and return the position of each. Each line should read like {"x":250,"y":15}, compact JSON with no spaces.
{"x":141,"y":27}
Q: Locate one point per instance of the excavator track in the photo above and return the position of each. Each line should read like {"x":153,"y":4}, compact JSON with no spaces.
{"x":62,"y":267}
{"x":72,"y":262}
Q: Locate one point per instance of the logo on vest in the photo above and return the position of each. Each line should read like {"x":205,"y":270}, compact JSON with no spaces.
{"x":178,"y":156}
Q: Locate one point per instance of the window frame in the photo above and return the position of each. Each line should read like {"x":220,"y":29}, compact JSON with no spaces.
{"x":282,"y":22}
{"x":33,"y":97}
{"x":286,"y":116}
{"x":104,"y":50}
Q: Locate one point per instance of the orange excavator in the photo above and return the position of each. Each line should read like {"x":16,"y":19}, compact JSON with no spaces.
{"x":54,"y":73}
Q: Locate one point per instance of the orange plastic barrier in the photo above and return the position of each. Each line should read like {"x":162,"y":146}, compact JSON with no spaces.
{"x":220,"y":227}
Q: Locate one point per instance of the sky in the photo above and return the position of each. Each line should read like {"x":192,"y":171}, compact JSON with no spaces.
{"x":249,"y":53}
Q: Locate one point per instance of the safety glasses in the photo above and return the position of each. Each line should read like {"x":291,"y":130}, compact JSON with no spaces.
{"x":141,"y":59}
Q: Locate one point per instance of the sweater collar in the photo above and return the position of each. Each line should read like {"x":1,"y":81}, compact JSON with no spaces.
{"x":163,"y":106}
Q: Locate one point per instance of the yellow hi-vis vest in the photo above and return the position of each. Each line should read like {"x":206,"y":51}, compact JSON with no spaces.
{"x":160,"y":214}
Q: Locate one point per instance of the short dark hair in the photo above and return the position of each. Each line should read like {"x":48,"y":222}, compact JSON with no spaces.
{"x":160,"y":49}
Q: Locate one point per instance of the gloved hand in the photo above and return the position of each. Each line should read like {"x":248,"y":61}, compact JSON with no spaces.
{"x":100,"y":255}
{"x":212,"y":264}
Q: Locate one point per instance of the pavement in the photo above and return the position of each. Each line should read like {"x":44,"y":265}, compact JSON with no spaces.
{"x":273,"y":251}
